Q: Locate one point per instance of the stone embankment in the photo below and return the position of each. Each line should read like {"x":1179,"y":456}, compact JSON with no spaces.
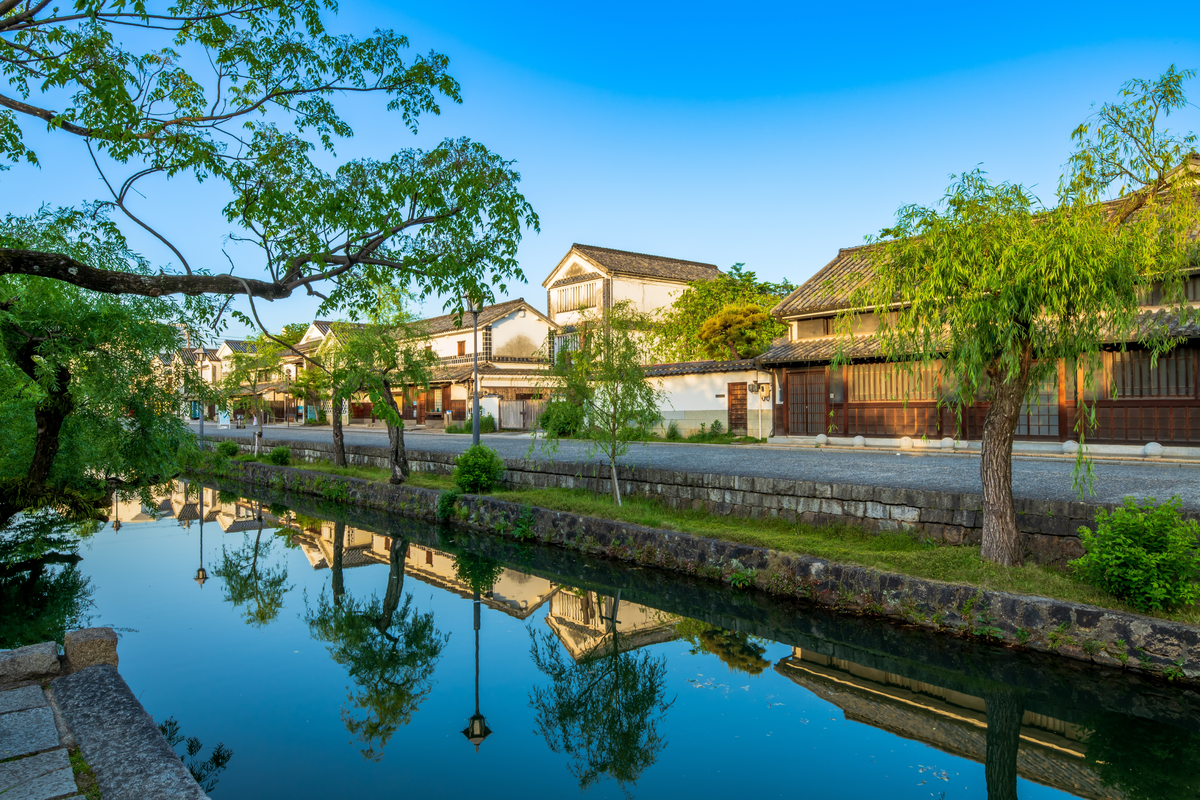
{"x":52,"y":705}
{"x":1049,"y":527}
{"x":1074,"y":630}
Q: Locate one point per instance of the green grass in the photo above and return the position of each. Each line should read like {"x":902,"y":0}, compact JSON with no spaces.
{"x":890,"y":552}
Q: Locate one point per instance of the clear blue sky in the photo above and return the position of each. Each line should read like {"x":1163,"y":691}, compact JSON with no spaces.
{"x":746,"y":132}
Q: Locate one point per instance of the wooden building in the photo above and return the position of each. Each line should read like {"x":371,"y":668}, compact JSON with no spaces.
{"x":872,"y":398}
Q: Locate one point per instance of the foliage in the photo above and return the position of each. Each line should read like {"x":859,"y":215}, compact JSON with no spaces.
{"x":603,"y":373}
{"x":739,"y":651}
{"x":228,"y":448}
{"x":42,"y":591}
{"x":1143,"y":553}
{"x":1143,"y":758}
{"x":79,"y":368}
{"x":477,"y":571}
{"x":250,"y":581}
{"x":602,"y":712}
{"x":677,"y":330}
{"x":445,"y":504}
{"x":280,"y":456}
{"x":999,"y":287}
{"x":738,"y":331}
{"x":487,"y":423}
{"x":205,"y":772}
{"x":673,"y":434}
{"x":478,"y":469}
{"x":251,"y":369}
{"x":389,"y":649}
{"x":561,"y":418}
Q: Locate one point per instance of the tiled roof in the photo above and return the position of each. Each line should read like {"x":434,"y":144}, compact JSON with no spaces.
{"x":698,"y":367}
{"x":829,"y":289}
{"x":461,"y":373}
{"x":623,"y":261}
{"x":587,"y":276}
{"x":326,"y":325}
{"x":448,"y":323}
{"x":240,"y":346}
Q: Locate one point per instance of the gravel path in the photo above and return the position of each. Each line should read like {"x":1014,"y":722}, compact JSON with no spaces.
{"x":1042,"y":479}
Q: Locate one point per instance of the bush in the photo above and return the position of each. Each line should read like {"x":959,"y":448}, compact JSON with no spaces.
{"x":445,"y":504}
{"x":228,"y":449}
{"x":281,"y":456}
{"x":673,"y":434}
{"x":717,"y":428}
{"x":1144,"y":554}
{"x":477,"y":469}
{"x":487,"y":424}
{"x":561,"y":418}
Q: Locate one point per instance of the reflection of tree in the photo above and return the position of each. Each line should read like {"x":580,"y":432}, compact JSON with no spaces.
{"x":248,"y":581}
{"x":478,"y":572}
{"x":602,"y":712}
{"x":739,"y":651}
{"x":388,"y":647}
{"x":1144,"y":759}
{"x":1005,"y":709}
{"x":42,"y":592}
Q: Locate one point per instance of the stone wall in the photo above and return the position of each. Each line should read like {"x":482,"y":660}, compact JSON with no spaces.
{"x":1075,"y":630}
{"x":1049,"y":527}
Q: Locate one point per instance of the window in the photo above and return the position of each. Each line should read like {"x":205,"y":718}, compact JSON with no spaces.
{"x":462,"y":348}
{"x":867,"y":383}
{"x":573,"y":298}
{"x":1154,"y":295}
{"x":1130,"y":374}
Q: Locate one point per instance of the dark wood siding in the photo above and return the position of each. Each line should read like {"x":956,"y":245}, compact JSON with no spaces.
{"x":736,"y":403}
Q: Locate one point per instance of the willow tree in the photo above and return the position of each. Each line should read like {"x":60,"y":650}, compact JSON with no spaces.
{"x":1000,"y":288}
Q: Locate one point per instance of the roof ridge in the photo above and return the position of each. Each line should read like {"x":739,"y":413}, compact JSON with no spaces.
{"x":644,"y":255}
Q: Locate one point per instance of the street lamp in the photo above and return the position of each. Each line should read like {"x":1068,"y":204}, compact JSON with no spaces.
{"x":472,"y":305}
{"x":201,"y":574}
{"x":477,"y":729}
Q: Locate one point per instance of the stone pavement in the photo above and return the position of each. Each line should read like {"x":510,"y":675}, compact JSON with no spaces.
{"x":1033,"y":478}
{"x":39,"y":768}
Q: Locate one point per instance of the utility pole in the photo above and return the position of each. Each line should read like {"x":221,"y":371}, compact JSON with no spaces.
{"x":473,"y":306}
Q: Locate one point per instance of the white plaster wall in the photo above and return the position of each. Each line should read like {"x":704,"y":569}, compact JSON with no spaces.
{"x":518,"y":336}
{"x":692,"y":399}
{"x":446,"y":345}
{"x":646,"y":295}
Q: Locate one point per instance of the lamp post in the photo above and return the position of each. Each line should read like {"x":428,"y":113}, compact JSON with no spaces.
{"x":472,"y":306}
{"x":477,"y":729}
{"x":201,"y":574}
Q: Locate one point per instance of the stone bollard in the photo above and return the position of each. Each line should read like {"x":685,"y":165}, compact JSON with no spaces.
{"x":1153,"y":450}
{"x":906,"y":443}
{"x":860,"y":441}
{"x":90,"y":646}
{"x":33,"y":661}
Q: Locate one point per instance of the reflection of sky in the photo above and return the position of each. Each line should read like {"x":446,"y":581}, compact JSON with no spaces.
{"x":273,"y":695}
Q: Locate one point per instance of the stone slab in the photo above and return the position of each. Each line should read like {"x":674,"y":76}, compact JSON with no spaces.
{"x":90,"y":646}
{"x":29,"y":662}
{"x":21,"y":699}
{"x":27,"y":731}
{"x":38,"y":777}
{"x":119,"y":740}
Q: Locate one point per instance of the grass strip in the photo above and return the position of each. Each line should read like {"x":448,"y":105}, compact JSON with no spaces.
{"x":845,"y":544}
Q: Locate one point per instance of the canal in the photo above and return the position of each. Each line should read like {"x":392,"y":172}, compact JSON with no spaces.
{"x":343,"y":653}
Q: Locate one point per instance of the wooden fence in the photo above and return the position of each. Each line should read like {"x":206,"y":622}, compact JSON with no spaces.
{"x":520,"y":415}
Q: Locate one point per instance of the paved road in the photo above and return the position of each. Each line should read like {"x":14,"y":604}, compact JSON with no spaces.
{"x":1034,"y":478}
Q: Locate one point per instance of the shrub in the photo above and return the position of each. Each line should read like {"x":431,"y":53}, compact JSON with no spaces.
{"x":1144,"y":554}
{"x":322,"y":417}
{"x":228,"y":449}
{"x":445,"y":504}
{"x":717,"y":428}
{"x":487,"y":424}
{"x":281,"y":456}
{"x":673,"y":434}
{"x":477,"y":469}
{"x":561,"y":418}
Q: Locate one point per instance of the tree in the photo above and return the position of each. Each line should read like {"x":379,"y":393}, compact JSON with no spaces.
{"x":603,"y":711}
{"x":676,"y":334}
{"x":42,"y":591}
{"x":389,"y":648}
{"x":738,"y":331}
{"x":739,"y":651}
{"x":604,"y":374}
{"x":254,"y":366}
{"x":1000,"y":288}
{"x":250,"y":581}
{"x":83,"y":409}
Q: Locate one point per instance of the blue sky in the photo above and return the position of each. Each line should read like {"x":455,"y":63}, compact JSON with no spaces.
{"x":771,"y":135}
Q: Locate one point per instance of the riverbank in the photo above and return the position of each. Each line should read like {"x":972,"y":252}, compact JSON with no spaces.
{"x":1066,"y":628}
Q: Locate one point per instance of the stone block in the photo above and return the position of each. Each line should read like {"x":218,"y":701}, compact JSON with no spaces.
{"x":876,"y":511}
{"x":28,"y":731}
{"x":936,"y":516}
{"x":90,"y":646}
{"x":854,"y":508}
{"x":805,"y":489}
{"x":832,"y":507}
{"x":21,"y":699}
{"x":861,"y":492}
{"x":29,"y":662}
{"x":889,"y":496}
{"x":952,"y":534}
{"x":905,"y":513}
{"x":840,"y":491}
{"x":822,"y":490}
{"x":38,"y":777}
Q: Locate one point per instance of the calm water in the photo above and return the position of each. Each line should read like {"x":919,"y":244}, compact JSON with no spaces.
{"x":339,"y":658}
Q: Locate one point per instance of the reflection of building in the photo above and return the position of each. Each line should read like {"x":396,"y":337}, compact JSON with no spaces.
{"x":1050,"y":751}
{"x":514,"y":593}
{"x":184,"y":502}
{"x":583,"y":622}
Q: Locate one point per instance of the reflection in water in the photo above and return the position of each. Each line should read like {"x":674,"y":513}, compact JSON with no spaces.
{"x":389,"y":649}
{"x":600,"y":693}
{"x":43,"y":594}
{"x":603,"y":706}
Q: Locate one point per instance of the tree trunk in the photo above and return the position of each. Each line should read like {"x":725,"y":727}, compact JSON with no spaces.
{"x":395,"y":585}
{"x":397,"y":456}
{"x":1001,"y":539}
{"x":616,"y":485}
{"x":339,"y":442}
{"x":1004,"y":712}
{"x":339,"y":546}
{"x":49,"y":415}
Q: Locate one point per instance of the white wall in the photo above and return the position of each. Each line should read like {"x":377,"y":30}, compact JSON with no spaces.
{"x":446,"y":345}
{"x":692,"y":399}
{"x":646,"y":295}
{"x":518,"y":336}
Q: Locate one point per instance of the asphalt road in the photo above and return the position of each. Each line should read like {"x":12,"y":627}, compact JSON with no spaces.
{"x":1034,"y":478}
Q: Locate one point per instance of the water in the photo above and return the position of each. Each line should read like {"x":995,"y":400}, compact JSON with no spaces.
{"x":623,"y":682}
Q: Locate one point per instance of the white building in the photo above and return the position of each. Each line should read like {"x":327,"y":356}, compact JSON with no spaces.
{"x":735,"y":393}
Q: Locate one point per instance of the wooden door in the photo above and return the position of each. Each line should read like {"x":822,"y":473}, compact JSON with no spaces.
{"x":808,"y":402}
{"x":736,"y":400}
